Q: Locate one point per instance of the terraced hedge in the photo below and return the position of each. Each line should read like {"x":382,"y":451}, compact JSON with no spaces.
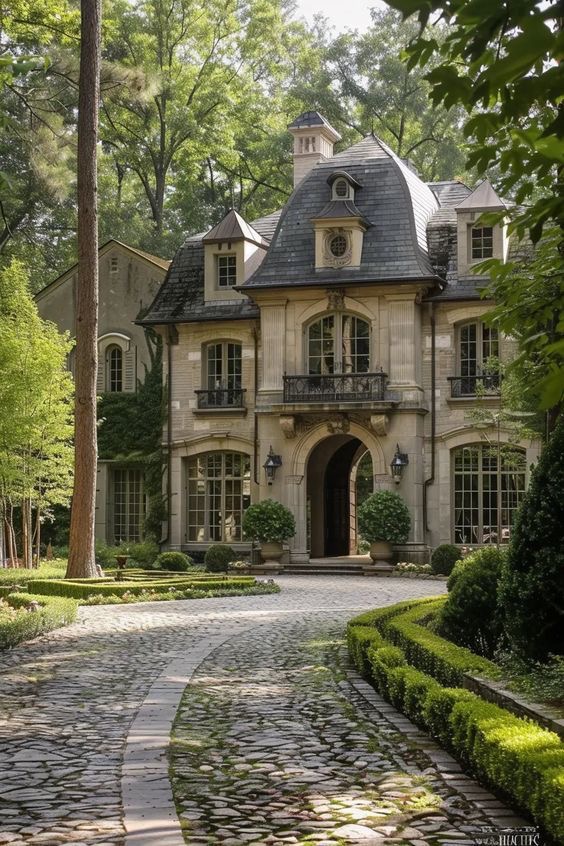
{"x":53,"y":613}
{"x":512,"y":755}
{"x":85,"y":588}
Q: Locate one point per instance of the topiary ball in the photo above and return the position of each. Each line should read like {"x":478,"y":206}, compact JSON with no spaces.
{"x":218,"y":557}
{"x":179,"y":562}
{"x":444,"y":558}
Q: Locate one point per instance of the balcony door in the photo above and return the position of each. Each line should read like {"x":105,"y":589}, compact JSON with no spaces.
{"x":338,"y":343}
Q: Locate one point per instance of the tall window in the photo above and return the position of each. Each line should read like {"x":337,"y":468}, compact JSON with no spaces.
{"x":338,"y":343}
{"x":477,"y":345}
{"x":226,"y":271}
{"x":223,"y":362}
{"x":128,"y":506}
{"x":489,"y":485}
{"x":218,"y":491}
{"x":114,"y":369}
{"x":482,"y":242}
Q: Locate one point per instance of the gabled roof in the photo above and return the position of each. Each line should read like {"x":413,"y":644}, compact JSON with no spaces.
{"x":483,"y":197}
{"x":161,"y":263}
{"x":234,"y":228}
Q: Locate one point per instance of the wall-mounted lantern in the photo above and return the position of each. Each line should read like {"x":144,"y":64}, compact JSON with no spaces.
{"x":271,"y":465}
{"x":399,"y":461}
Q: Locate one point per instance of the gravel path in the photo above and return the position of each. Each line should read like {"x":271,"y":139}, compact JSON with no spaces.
{"x":277,"y":740}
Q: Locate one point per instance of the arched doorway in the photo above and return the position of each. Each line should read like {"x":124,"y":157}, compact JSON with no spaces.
{"x":338,"y":471}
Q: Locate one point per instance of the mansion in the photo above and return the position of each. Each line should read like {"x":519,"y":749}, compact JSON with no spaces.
{"x":332,"y":348}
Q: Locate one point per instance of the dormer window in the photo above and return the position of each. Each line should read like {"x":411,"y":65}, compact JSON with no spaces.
{"x":482,"y":242}
{"x":341,"y":189}
{"x":227,"y":271}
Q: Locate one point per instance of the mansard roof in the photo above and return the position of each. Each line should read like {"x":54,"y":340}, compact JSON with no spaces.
{"x":393,"y":198}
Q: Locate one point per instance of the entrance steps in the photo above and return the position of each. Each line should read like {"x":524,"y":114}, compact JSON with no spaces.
{"x":346,"y":565}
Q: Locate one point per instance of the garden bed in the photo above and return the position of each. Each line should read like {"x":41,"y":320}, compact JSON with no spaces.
{"x":409,"y":665}
{"x":18,"y":624}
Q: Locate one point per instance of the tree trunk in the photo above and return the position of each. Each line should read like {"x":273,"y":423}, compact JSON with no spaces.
{"x":37,"y":538}
{"x":27,"y":539}
{"x":81,"y":538}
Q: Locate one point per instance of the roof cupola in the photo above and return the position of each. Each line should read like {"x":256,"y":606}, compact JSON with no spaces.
{"x":314,"y":138}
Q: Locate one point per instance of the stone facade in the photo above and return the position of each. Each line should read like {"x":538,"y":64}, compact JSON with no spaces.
{"x":129,"y":281}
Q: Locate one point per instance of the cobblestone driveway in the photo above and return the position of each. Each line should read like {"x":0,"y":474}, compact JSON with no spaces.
{"x":86,"y":712}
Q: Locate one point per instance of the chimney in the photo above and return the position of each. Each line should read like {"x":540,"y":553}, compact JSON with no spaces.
{"x":313,"y":142}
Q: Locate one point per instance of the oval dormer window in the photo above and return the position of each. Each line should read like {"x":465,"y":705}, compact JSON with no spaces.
{"x":341,"y":189}
{"x":338,"y":245}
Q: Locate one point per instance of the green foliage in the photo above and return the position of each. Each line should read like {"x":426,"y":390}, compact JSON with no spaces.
{"x":25,"y":625}
{"x":130,"y":431}
{"x":532,"y":580}
{"x":218,"y":557}
{"x":541,"y":682}
{"x":21,"y":575}
{"x":513,"y":755}
{"x":359,"y":640}
{"x":444,"y":558}
{"x":181,"y":586}
{"x":178,"y":562}
{"x":503,"y":67}
{"x":470,"y":616}
{"x":384,"y":516}
{"x":269,"y":521}
{"x":143,"y":553}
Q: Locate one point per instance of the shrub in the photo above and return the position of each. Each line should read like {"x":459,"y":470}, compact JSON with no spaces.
{"x":359,"y":640}
{"x":85,"y":589}
{"x":269,"y":522}
{"x":382,"y":661}
{"x":444,"y":558}
{"x":470,"y":614}
{"x":178,"y":562}
{"x":52,"y":613}
{"x":144,"y":553}
{"x":532,"y":581}
{"x":218,"y":558}
{"x":384,"y":516}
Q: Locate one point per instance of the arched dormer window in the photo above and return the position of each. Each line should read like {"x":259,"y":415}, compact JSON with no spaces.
{"x":338,"y":343}
{"x":342,"y":185}
{"x":114,"y":369}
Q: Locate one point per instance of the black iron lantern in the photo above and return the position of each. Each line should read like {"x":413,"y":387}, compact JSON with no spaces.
{"x":399,"y":461}
{"x":271,"y":465}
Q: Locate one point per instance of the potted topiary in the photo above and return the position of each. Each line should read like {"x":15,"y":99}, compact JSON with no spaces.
{"x":270,"y":523}
{"x":383,"y":520}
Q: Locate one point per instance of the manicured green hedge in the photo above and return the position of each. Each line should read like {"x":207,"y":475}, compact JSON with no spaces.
{"x":427,"y":651}
{"x":53,"y":613}
{"x":510,"y":754}
{"x":97,"y":587}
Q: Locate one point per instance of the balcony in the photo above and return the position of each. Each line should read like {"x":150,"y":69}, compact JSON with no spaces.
{"x":336,"y":387}
{"x":485,"y":385}
{"x":221,"y":398}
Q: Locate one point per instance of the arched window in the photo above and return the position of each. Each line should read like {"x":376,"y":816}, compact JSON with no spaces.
{"x":338,"y":343}
{"x":488,"y":487}
{"x":218,"y":492}
{"x":114,"y":369}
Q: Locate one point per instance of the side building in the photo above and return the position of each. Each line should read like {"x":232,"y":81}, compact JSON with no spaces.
{"x":129,"y":282}
{"x":341,"y":336}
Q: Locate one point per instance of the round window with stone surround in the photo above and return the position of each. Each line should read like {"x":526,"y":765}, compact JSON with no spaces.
{"x":338,"y":245}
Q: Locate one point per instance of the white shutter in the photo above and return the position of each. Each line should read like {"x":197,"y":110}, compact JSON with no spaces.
{"x":130,"y":369}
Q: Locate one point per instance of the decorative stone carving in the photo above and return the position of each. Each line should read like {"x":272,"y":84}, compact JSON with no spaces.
{"x":336,"y":299}
{"x":338,"y":425}
{"x":288,"y":425}
{"x":379,"y":423}
{"x":340,"y":239}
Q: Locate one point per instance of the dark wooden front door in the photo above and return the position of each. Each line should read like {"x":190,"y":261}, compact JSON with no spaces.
{"x":337,"y":500}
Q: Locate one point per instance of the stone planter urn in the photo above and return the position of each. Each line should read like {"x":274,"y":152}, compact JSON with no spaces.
{"x":271,"y":552}
{"x":381,"y":551}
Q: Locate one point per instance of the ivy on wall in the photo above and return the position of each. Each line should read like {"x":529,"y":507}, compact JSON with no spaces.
{"x":130,"y":431}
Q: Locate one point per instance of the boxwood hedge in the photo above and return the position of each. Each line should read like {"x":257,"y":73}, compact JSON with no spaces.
{"x":83,"y":589}
{"x":512,"y":755}
{"x":52,"y":613}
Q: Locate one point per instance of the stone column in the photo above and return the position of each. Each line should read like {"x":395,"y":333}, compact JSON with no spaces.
{"x":273,"y":334}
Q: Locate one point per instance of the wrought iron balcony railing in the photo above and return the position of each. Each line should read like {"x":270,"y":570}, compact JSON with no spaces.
{"x":221,"y":398}
{"x":336,"y":387}
{"x":487,"y":385}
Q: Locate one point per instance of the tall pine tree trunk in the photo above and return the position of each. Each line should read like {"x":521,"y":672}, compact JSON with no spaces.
{"x":27,"y":539}
{"x":81,"y":539}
